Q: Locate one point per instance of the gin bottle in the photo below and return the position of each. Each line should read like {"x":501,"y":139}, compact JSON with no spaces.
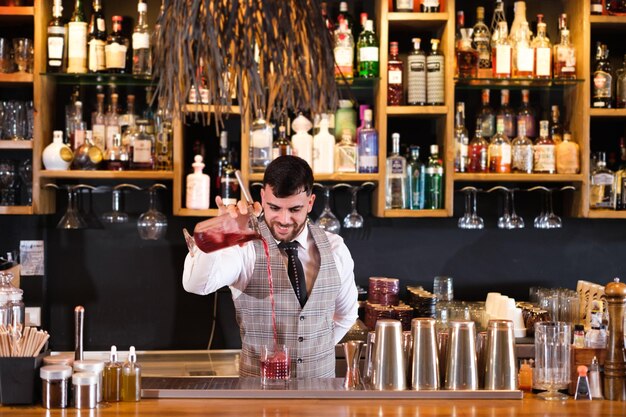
{"x":368,"y":52}
{"x":522,"y":151}
{"x":461,"y":139}
{"x":368,"y":145}
{"x":324,"y":149}
{"x":414,"y":171}
{"x":260,"y":143}
{"x":433,"y":180}
{"x":344,"y":53}
{"x":396,"y":193}
{"x":416,"y":80}
{"x":142,"y":53}
{"x":601,"y":188}
{"x":435,"y":75}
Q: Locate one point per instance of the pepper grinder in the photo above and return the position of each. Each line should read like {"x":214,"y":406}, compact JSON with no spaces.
{"x":79,"y":319}
{"x":615,"y":365}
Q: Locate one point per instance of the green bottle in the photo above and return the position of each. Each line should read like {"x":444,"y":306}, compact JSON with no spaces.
{"x":367,"y":52}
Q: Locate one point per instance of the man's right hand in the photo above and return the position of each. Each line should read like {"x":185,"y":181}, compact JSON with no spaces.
{"x":237,"y":209}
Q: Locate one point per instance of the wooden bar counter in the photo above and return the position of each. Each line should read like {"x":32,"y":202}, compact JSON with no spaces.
{"x":530,"y":406}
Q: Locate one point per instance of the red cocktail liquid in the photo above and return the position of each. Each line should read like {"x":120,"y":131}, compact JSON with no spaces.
{"x":275,"y":367}
{"x":209,"y":241}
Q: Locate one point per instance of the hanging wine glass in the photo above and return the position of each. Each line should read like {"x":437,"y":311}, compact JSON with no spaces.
{"x":327,"y":220}
{"x":152,"y":224}
{"x":542,"y":220}
{"x":72,"y":218}
{"x":85,"y":206}
{"x":516,"y":222}
{"x":117,"y":214}
{"x":353,"y":220}
{"x":471,"y":220}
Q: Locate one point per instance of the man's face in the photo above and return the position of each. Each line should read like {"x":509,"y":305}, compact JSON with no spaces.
{"x":286,"y":217}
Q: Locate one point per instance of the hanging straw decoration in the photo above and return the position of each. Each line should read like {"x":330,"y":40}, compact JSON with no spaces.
{"x":269,"y":54}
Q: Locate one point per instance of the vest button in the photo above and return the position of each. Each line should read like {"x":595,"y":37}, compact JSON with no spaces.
{"x":299,"y":360}
{"x":301,"y":339}
{"x":301,"y":318}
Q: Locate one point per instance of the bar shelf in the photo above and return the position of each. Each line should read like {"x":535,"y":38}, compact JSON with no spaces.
{"x":16,"y":77}
{"x":16,"y":144}
{"x":101,"y":79}
{"x":78,"y":174}
{"x":417,"y":111}
{"x":16,"y":210}
{"x":416,"y":213}
{"x":515,"y":83}
{"x":258,"y":176}
{"x":516,"y":177}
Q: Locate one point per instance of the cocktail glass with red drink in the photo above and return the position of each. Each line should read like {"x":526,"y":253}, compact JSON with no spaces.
{"x":275,"y":364}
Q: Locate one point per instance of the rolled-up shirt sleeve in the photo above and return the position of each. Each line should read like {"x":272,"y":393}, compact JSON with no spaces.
{"x":346,"y":304}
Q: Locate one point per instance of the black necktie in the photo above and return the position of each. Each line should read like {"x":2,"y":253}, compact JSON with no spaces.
{"x":295,"y":270}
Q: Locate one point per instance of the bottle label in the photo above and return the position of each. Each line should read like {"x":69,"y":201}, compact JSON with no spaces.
{"x":111,"y":130}
{"x":99,"y":139}
{"x":602,"y":178}
{"x":596,"y":8}
{"x":395,"y":77}
{"x":522,"y":158}
{"x":141,"y":40}
{"x":524,"y":60}
{"x":55,"y":50}
{"x":261,"y":139}
{"x":404,"y":4}
{"x":344,"y":59}
{"x":346,"y":159}
{"x":545,"y":158}
{"x":502,"y":151}
{"x":77,"y":40}
{"x":100,"y":24}
{"x":142,"y":150}
{"x":567,"y":57}
{"x":397,"y":168}
{"x":543,"y":62}
{"x":567,"y":158}
{"x":96,"y":55}
{"x":503,"y":59}
{"x":430,"y":3}
{"x":198,"y":191}
{"x":368,"y":163}
{"x":368,"y":54}
{"x":602,"y":85}
{"x":230,"y":190}
{"x":435,"y":79}
{"x":416,"y":79}
{"x":115,"y":55}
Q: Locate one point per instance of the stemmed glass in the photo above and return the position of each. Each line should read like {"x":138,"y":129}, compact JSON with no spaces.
{"x":152,"y":224}
{"x":88,"y":214}
{"x":117,"y":214}
{"x":547,"y":219}
{"x":517,"y":222}
{"x":509,"y":219}
{"x":72,"y":218}
{"x":327,"y":220}
{"x":470,"y":219}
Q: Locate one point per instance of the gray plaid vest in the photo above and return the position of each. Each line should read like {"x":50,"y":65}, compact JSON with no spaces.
{"x":307,"y":331}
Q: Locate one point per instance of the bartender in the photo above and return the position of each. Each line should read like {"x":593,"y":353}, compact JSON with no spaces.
{"x":313,"y":276}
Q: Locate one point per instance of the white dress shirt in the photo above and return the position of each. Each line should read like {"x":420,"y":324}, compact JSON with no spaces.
{"x":205,"y":273}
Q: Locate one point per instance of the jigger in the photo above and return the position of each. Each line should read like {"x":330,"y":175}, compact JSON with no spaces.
{"x":388,"y":366}
{"x":461,"y":370}
{"x":500,"y":361}
{"x":352,"y":350}
{"x":424,"y":363}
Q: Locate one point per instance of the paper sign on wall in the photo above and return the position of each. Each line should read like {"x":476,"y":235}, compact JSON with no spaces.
{"x":31,"y":257}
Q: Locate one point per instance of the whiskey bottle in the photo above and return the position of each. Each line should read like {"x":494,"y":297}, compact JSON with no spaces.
{"x":416,"y":80}
{"x":481,"y":42}
{"x":415,"y":169}
{"x":368,"y":145}
{"x":621,"y":86}
{"x":567,"y":156}
{"x":142,"y":54}
{"x":527,"y":114}
{"x":395,"y":68}
{"x":507,"y":114}
{"x":502,"y":53}
{"x":98,"y":123}
{"x":545,"y":152}
{"x":602,"y":185}
{"x":433,"y":180}
{"x":543,"y":51}
{"x":556,"y":129}
{"x":565,"y":57}
{"x":522,"y":151}
{"x":396,"y":193}
{"x":487,"y":116}
{"x":116,"y":48}
{"x":523,"y":56}
{"x":142,"y":148}
{"x":282,"y":145}
{"x":596,"y":7}
{"x":499,"y":151}
{"x":461,"y":139}
{"x":368,"y":52}
{"x":435,"y":76}
{"x":478,"y":146}
{"x":344,"y":53}
{"x":77,"y":41}
{"x":97,"y":38}
{"x":57,"y":37}
{"x":602,"y":95}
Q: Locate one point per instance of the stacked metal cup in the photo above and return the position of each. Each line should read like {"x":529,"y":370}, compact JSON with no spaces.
{"x":461,"y":369}
{"x":424,"y":358}
{"x":388,"y":365}
{"x":500,"y":361}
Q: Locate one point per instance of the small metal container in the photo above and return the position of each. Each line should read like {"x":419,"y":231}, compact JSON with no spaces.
{"x":424,"y":358}
{"x":54,"y":385}
{"x":500,"y":360}
{"x":461,"y":370}
{"x":85,"y":389}
{"x":388,"y":365}
{"x":93,"y":366}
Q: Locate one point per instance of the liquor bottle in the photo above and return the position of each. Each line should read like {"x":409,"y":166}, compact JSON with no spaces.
{"x":148,"y":111}
{"x":142,"y":148}
{"x":282,"y":145}
{"x":543,"y":51}
{"x":344,"y":53}
{"x":616,"y":7}
{"x":460,"y":24}
{"x":487,"y":116}
{"x":567,"y":156}
{"x":523,"y":54}
{"x":362,"y":108}
{"x":220,"y":162}
{"x":346,"y":154}
{"x":98,"y":123}
{"x":368,"y":145}
{"x":368,"y":52}
{"x":522,"y":151}
{"x":395,"y":68}
{"x":620,"y":180}
{"x":164,"y":152}
{"x":116,"y":157}
{"x":260,"y":143}
{"x":328,"y":23}
{"x":596,"y":7}
{"x":507,"y":114}
{"x":77,"y":41}
{"x":545,"y":153}
{"x":527,"y":114}
{"x":499,"y":151}
{"x":324,"y":149}
{"x":602,"y":185}
{"x":602,"y":95}
{"x":87,"y":157}
{"x":344,"y":14}
{"x":229,"y":186}
{"x":302,"y":141}
{"x":116,"y":48}
{"x":556,"y":129}
{"x":57,"y":37}
{"x":127,"y":120}
{"x":481,"y":42}
{"x":430,"y":6}
{"x":97,"y":38}
{"x":142,"y":54}
{"x":396,"y":193}
{"x":461,"y":139}
{"x":345,"y":118}
{"x":433,"y":180}
{"x":621,"y":86}
{"x":565,"y":57}
{"x":435,"y":75}
{"x":79,"y":127}
{"x":416,"y":79}
{"x":519,"y":17}
{"x":197,"y":195}
{"x":497,"y":17}
{"x":414,"y":170}
{"x":112,"y":121}
{"x":57,"y":155}
{"x":403,"y":5}
{"x":466,"y":56}
{"x":478,"y":148}
{"x":501,"y":53}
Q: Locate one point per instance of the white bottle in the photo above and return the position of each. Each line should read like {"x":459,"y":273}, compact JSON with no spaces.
{"x":301,"y":141}
{"x":57,"y":155}
{"x":198,"y":186}
{"x":324,"y":149}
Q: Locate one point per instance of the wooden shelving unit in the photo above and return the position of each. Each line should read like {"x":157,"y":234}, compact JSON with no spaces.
{"x":16,"y":78}
{"x":416,"y":213}
{"x":426,"y":111}
{"x":197,"y":213}
{"x":11,"y":11}
{"x":16,"y":144}
{"x":607,"y":112}
{"x":16,"y":210}
{"x":514,"y":177}
{"x":113,"y":175}
{"x":607,"y":22}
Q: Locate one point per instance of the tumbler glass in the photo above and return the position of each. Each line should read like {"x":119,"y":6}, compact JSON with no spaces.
{"x":552,"y":359}
{"x":275,"y":364}
{"x":23,"y":54}
{"x":6,"y":62}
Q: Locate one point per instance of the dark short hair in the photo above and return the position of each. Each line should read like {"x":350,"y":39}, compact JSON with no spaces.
{"x":289,"y":175}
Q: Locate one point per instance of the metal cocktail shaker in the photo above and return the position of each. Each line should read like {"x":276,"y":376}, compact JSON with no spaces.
{"x":461,"y":370}
{"x":388,"y":366}
{"x":424,"y":363}
{"x":500,"y":361}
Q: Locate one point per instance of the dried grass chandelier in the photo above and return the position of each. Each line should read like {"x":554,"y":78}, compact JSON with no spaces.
{"x":215,"y":41}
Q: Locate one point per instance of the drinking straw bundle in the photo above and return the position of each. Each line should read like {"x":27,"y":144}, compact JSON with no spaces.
{"x":16,"y":343}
